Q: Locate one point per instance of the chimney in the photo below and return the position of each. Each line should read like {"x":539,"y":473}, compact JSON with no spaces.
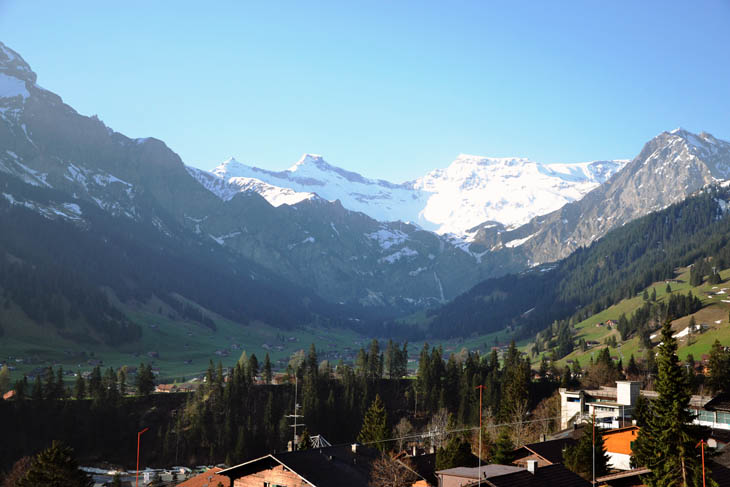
{"x":415,"y":450}
{"x":532,"y":466}
{"x":543,"y":437}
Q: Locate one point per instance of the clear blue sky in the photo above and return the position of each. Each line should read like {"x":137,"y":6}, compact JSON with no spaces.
{"x":389,"y":89}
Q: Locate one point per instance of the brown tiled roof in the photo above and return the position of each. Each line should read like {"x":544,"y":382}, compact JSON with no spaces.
{"x":207,"y":479}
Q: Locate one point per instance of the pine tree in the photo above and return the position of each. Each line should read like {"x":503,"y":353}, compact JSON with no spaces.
{"x":456,"y":453}
{"x":666,"y":444}
{"x":719,"y":364}
{"x":579,"y":457}
{"x":503,"y":448}
{"x":80,"y":387}
{"x":668,"y":289}
{"x":55,"y":467}
{"x":374,"y":425}
{"x":267,"y":369}
{"x":145,"y":380}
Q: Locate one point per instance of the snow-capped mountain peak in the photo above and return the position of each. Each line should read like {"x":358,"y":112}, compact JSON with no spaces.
{"x":471,"y":190}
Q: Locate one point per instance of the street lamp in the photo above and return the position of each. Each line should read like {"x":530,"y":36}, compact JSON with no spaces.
{"x":136,"y":476}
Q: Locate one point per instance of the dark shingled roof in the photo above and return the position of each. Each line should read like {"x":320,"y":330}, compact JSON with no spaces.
{"x":548,"y":476}
{"x":425,"y":466}
{"x":551,"y":450}
{"x":333,"y":466}
{"x":721,"y":402}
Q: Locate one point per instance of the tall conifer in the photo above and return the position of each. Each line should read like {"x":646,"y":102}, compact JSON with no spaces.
{"x":666,"y":444}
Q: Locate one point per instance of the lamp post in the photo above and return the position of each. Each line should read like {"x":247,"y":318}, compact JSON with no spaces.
{"x":136,"y":476}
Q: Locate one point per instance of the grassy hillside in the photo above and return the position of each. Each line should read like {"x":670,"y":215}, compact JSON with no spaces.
{"x":713,"y":317}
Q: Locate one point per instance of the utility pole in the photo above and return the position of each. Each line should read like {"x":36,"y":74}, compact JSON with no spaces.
{"x":136,"y":476}
{"x":702,"y":444}
{"x":295,"y":416}
{"x":594,"y":445}
{"x":479,"y":470}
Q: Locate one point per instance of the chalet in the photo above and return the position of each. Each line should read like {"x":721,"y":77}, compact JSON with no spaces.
{"x":510,"y":476}
{"x":209,"y":478}
{"x":166,"y":388}
{"x":618,"y":444}
{"x":545,"y":452}
{"x":347,"y":465}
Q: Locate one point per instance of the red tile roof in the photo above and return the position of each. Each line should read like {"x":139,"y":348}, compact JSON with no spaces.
{"x":207,"y":479}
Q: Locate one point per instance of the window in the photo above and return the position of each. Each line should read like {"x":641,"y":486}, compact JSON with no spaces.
{"x":708,"y":416}
{"x":723,"y":417}
{"x":573,"y":399}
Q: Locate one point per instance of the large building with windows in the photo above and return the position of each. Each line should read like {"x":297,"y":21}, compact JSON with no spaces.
{"x":613,"y":407}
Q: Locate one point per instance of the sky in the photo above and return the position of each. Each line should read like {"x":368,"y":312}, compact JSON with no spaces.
{"x":389,"y":89}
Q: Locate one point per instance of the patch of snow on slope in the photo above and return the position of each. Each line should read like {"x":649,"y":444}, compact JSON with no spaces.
{"x":400,"y":254}
{"x":386,"y":238}
{"x":518,"y":241}
{"x":10,"y":87}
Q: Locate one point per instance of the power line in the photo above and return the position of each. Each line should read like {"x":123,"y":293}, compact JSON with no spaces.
{"x":432,"y":433}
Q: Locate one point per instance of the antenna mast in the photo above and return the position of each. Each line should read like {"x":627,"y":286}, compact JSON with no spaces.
{"x":295,"y":416}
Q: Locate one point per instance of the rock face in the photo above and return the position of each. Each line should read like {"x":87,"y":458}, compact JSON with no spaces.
{"x":342,"y":255}
{"x":670,"y":167}
{"x":305,"y":225}
{"x":448,"y":201}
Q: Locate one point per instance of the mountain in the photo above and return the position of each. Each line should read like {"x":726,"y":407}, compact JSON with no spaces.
{"x":452,"y":200}
{"x":92,"y":218}
{"x":616,"y":266}
{"x":336,"y":254}
{"x":669,"y":168}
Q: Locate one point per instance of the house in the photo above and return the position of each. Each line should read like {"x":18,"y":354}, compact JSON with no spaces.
{"x":9,"y":395}
{"x":532,"y":476}
{"x":347,"y":465}
{"x":716,"y":412}
{"x":619,"y":444}
{"x":166,"y":388}
{"x":209,"y":478}
{"x":614,"y":406}
{"x":545,"y":452}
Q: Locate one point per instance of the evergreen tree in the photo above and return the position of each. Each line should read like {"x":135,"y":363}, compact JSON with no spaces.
{"x":122,"y":380}
{"x":579,"y":457}
{"x":503,"y":448}
{"x":37,"y":394}
{"x":55,"y":467}
{"x":95,"y":384}
{"x":267,"y":369}
{"x":145,"y":380}
{"x":666,"y":444}
{"x":253,"y":365}
{"x":719,"y":364}
{"x":80,"y":387}
{"x":668,"y":289}
{"x":374,"y":426}
{"x":653,"y":295}
{"x":632,"y":370}
{"x":456,"y":453}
